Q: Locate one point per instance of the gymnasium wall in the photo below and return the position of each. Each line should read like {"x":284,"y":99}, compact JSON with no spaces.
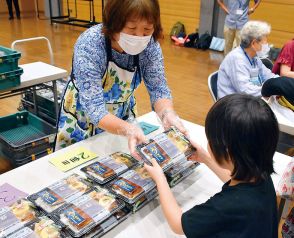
{"x":186,"y":11}
{"x":26,"y":6}
{"x":3,"y":7}
{"x":280,"y":14}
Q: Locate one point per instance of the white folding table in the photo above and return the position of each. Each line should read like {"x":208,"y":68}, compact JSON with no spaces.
{"x":36,"y":74}
{"x":149,"y":221}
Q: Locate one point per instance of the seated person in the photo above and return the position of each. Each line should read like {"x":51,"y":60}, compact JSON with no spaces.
{"x":241,"y":146}
{"x":284,"y":64}
{"x":242,"y":71}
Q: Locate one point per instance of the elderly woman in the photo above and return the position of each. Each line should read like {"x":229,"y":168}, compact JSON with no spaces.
{"x":242,"y":71}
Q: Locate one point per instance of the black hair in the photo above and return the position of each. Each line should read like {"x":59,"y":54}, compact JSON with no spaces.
{"x":243,"y":129}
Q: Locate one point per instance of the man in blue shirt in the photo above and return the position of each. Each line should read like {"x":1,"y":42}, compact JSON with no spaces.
{"x":237,"y":15}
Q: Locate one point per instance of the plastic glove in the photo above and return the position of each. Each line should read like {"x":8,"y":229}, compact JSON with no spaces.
{"x":135,"y":137}
{"x":170,"y":118}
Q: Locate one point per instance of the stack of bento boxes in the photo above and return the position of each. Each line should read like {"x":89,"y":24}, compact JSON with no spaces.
{"x":115,"y":186}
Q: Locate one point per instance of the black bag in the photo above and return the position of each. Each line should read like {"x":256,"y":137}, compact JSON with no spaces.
{"x":192,"y":40}
{"x":204,"y":41}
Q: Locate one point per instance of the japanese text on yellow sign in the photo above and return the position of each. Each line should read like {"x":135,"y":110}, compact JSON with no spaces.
{"x":72,"y":159}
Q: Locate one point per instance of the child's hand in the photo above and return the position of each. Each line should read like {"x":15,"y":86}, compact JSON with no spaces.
{"x":155,"y":171}
{"x":201,"y":155}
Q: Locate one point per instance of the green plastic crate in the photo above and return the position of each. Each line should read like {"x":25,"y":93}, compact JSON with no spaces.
{"x":10,"y":79}
{"x":23,"y":134}
{"x":8,"y":59}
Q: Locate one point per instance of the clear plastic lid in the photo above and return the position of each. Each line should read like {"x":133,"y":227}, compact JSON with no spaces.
{"x":133,"y":184}
{"x":42,"y":228}
{"x":178,"y":168}
{"x":180,"y":141}
{"x":60,"y":193}
{"x":181,"y":176}
{"x":168,"y":148}
{"x":109,"y":223}
{"x":16,"y":216}
{"x":87,"y":211}
{"x":108,"y":168}
{"x":143,"y":201}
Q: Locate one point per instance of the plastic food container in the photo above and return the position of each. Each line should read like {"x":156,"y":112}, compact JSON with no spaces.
{"x":87,"y":211}
{"x":181,"y":176}
{"x":143,"y":201}
{"x":111,"y":222}
{"x":168,"y":148}
{"x":60,"y":193}
{"x":133,"y":184}
{"x":42,"y":228}
{"x":178,"y":168}
{"x":108,"y":168}
{"x":16,"y":216}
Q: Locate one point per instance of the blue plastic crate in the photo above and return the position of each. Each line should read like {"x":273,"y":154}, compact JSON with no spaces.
{"x":8,"y":59}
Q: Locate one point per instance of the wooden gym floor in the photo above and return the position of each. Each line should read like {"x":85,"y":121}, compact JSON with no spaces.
{"x":187,"y":70}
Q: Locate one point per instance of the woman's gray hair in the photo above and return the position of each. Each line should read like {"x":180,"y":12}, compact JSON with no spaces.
{"x":254,"y":30}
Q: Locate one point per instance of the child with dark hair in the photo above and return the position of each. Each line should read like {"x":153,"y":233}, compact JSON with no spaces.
{"x":242,"y":134}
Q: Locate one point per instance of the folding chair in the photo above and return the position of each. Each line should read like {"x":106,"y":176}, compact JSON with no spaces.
{"x":212,"y":85}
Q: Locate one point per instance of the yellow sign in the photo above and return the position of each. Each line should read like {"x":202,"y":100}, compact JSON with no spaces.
{"x":72,"y":158}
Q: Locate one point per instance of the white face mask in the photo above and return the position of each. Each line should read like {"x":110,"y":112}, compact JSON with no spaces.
{"x":133,"y":45}
{"x":264,"y":51}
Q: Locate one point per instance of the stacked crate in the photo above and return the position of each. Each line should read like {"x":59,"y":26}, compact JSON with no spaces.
{"x":9,"y":71}
{"x":23,"y":136}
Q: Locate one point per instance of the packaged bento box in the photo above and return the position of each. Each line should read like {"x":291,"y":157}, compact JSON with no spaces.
{"x":16,"y":216}
{"x":168,"y":148}
{"x":87,"y":211}
{"x":43,"y":227}
{"x":60,"y":193}
{"x":181,"y":176}
{"x":111,"y":222}
{"x":109,"y":167}
{"x":133,"y":184}
{"x":143,"y":201}
{"x":179,"y":168}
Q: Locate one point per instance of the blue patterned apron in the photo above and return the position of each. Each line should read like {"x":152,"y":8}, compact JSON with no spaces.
{"x":118,"y":85}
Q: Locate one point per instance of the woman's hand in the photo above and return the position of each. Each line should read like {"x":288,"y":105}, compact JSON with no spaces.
{"x":155,"y":172}
{"x":135,"y":137}
{"x":201,"y":155}
{"x":170,"y":118}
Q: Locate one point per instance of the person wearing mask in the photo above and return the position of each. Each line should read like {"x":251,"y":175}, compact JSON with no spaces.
{"x":110,"y":61}
{"x":284,"y":65}
{"x":238,"y":12}
{"x":242,"y":71}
